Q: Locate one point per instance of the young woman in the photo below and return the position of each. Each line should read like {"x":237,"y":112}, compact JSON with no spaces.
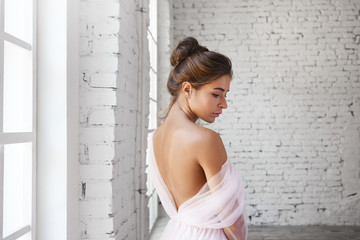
{"x":197,"y":185}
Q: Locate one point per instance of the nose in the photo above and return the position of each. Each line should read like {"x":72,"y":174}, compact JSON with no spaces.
{"x":223,"y":103}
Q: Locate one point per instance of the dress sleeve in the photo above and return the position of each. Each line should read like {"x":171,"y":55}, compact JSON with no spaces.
{"x":220,"y":204}
{"x":233,"y":213}
{"x":238,"y":230}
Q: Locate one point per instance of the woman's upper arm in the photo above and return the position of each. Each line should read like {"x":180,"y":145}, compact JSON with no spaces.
{"x":211,"y":153}
{"x":211,"y":156}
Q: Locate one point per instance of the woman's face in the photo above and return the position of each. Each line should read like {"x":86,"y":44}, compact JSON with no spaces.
{"x":208,"y":101}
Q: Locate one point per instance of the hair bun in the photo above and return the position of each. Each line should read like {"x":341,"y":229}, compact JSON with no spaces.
{"x":185,"y":48}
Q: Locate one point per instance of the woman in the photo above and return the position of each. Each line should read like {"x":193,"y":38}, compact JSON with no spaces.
{"x":197,"y":185}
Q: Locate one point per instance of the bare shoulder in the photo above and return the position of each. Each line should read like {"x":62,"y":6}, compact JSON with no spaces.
{"x":200,"y":137}
{"x":210,"y":150}
{"x":204,"y":137}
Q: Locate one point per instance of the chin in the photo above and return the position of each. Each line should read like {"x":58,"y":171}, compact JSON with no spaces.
{"x":209,"y":120}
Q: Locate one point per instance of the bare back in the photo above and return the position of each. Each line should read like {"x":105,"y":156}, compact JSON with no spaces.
{"x":178,"y":153}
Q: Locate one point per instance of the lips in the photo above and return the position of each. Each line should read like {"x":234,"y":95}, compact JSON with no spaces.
{"x":216,"y":114}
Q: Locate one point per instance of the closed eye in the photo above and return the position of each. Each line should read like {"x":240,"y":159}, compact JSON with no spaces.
{"x":215,"y":95}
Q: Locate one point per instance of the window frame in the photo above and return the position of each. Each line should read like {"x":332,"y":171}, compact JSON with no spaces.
{"x":152,"y":197}
{"x":19,"y":137}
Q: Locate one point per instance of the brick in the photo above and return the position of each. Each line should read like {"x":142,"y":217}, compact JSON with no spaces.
{"x":101,"y":152}
{"x":103,"y":80}
{"x":96,"y":172}
{"x":96,"y":189}
{"x":97,"y":228}
{"x":98,"y":208}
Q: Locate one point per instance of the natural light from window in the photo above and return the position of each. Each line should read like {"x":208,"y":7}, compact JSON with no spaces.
{"x":152,"y":40}
{"x":17,"y":120}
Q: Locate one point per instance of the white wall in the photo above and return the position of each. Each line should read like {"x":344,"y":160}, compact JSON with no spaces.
{"x":57,"y":203}
{"x":165,"y":47}
{"x":293,"y":123}
{"x":114,"y":67}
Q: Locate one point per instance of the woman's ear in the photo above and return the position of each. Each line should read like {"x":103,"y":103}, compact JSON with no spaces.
{"x":186,"y":88}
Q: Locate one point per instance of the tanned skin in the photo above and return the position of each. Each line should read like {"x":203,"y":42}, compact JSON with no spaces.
{"x":187,"y":154}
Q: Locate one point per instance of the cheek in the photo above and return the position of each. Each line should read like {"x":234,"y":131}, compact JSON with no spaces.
{"x":199,"y":104}
{"x":207,"y":103}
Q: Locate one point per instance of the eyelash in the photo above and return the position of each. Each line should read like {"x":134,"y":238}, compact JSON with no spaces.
{"x":217,"y":95}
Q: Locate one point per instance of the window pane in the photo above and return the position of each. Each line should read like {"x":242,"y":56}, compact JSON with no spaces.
{"x":25,"y":237}
{"x":152,"y":115}
{"x":153,"y":85}
{"x":18,"y":19}
{"x":153,"y":54}
{"x":17,"y":186}
{"x":153,"y":17}
{"x":17,"y":89}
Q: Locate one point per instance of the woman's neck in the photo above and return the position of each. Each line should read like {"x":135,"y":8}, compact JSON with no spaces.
{"x":181,"y":110}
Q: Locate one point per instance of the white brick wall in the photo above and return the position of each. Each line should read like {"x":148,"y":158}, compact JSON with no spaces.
{"x":293,"y":123}
{"x":165,"y":47}
{"x":113,"y":118}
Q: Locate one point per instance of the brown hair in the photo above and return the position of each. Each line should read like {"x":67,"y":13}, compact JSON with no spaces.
{"x":194,"y":64}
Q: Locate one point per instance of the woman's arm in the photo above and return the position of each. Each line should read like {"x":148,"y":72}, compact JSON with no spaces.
{"x":237,"y":231}
{"x":212,"y":156}
{"x":210,"y":153}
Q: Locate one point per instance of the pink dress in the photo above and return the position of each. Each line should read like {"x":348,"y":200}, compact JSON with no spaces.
{"x":219,"y":204}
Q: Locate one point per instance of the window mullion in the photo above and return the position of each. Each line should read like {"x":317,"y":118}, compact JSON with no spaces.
{"x":10,"y":138}
{"x":17,"y":41}
{"x":18,"y":233}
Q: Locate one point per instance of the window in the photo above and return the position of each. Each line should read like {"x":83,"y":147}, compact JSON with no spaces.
{"x":17,"y":119}
{"x":152,"y":38}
